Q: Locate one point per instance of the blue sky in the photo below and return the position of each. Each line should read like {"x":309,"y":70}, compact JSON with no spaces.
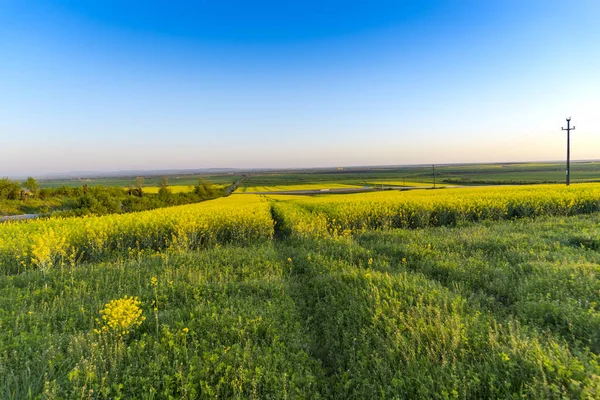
{"x":112,"y":85}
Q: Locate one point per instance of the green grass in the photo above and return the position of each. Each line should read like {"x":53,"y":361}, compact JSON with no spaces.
{"x":30,"y":206}
{"x":489,"y":310}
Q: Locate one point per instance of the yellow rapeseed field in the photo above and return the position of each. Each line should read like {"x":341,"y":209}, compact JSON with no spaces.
{"x":173,"y":189}
{"x":244,"y":218}
{"x":344,"y":214}
{"x":45,"y":243}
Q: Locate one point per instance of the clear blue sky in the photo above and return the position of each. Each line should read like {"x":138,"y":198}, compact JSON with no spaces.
{"x":112,"y":85}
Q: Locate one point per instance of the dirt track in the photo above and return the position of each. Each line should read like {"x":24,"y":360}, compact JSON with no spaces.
{"x":18,"y":217}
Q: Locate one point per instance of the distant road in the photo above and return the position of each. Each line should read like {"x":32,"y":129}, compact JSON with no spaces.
{"x":235,"y":185}
{"x":18,"y":217}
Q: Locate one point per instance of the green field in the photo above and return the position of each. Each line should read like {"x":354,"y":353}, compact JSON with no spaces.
{"x":246,"y":188}
{"x":149,"y":181}
{"x":306,"y":186}
{"x":445,"y":175}
{"x":358,"y":177}
{"x":454,"y":293}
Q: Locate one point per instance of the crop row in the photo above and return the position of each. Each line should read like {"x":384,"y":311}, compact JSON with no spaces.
{"x":43,"y":244}
{"x":342,"y":215}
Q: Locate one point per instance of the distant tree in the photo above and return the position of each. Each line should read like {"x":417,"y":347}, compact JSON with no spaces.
{"x":164,"y":182}
{"x":164,"y":191}
{"x":205,"y":189}
{"x":199,"y":191}
{"x":32,"y":185}
{"x":139,"y":186}
{"x":200,"y":188}
{"x":9,"y":189}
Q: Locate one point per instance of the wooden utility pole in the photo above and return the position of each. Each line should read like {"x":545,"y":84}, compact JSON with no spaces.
{"x":569,"y":129}
{"x":433,"y":167}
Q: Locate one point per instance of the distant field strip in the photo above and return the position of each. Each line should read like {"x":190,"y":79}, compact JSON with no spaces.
{"x":399,"y":183}
{"x":346,"y":214}
{"x":177,"y":188}
{"x":306,"y":186}
{"x":46,"y":243}
{"x":333,"y":185}
{"x":173,"y":189}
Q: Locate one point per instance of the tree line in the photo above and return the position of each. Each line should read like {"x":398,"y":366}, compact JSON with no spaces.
{"x":13,"y":190}
{"x":100,"y":200}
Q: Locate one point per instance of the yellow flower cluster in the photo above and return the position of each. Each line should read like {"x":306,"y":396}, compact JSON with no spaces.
{"x":121,"y":316}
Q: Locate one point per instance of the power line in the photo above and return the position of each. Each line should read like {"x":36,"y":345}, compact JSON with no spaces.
{"x":569,"y":129}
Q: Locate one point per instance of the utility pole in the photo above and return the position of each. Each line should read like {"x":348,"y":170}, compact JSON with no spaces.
{"x":569,"y":129}
{"x":433,"y":167}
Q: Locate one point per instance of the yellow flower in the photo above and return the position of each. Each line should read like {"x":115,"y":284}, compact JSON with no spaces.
{"x":290,"y":259}
{"x":154,"y":281}
{"x":370,"y":261}
{"x":122,"y":315}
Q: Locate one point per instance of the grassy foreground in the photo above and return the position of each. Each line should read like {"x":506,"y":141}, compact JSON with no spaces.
{"x":490,"y":309}
{"x":484,"y":312}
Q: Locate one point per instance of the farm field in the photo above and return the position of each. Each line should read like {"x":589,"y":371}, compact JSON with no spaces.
{"x":299,"y":200}
{"x":149,"y":181}
{"x":453,"y":293}
{"x":518,"y":173}
{"x":398,"y":183}
{"x":313,"y":180}
{"x":328,"y":185}
{"x":446,"y":175}
{"x":174,"y":188}
{"x":325,"y":215}
{"x":307,"y":186}
{"x":297,"y":180}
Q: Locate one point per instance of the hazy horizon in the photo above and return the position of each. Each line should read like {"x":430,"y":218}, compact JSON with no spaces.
{"x":105,"y":86}
{"x":77,"y":174}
